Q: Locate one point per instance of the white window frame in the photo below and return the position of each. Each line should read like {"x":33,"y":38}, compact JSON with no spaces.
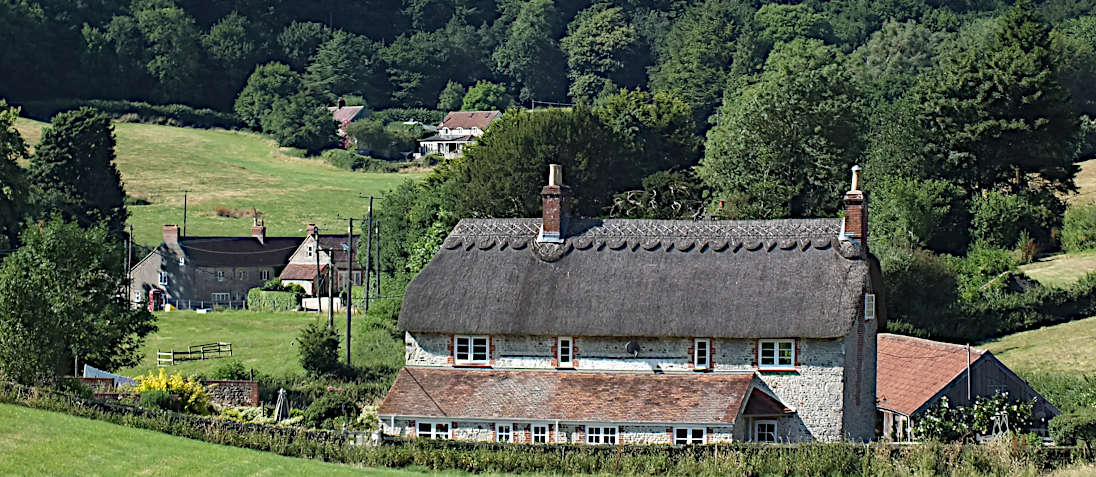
{"x":162,"y":279}
{"x":310,"y":248}
{"x":433,"y":432}
{"x":869,"y":306}
{"x":706,"y":356}
{"x":226,"y":295}
{"x":765,"y":422}
{"x":220,"y":275}
{"x":598,"y":435}
{"x":776,"y":359}
{"x":264,"y":275}
{"x":507,"y":435}
{"x":570,"y":361}
{"x":241,"y":274}
{"x":182,"y":261}
{"x":690,"y":437}
{"x":469,"y":355}
{"x":533,"y":435}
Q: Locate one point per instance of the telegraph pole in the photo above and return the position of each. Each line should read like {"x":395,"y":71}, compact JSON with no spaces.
{"x":330,"y":299}
{"x":378,"y":258}
{"x":129,"y":266}
{"x":319,"y":278}
{"x":349,"y":284}
{"x":184,"y":213}
{"x":368,"y":252}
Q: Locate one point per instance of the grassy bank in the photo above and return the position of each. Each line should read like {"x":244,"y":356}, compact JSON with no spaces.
{"x":35,"y":442}
{"x":231,"y":172}
{"x":1061,"y":270}
{"x":1065,"y":348}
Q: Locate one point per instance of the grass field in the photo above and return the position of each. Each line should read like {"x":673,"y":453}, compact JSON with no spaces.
{"x":232,"y":170}
{"x":35,"y":442}
{"x":1061,"y":270}
{"x":263,"y":341}
{"x":1066,"y":348}
{"x":1086,"y":183}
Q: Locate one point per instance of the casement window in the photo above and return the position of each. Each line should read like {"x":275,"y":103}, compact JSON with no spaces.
{"x":702,"y":348}
{"x":471,"y":350}
{"x":220,"y":275}
{"x":776,"y":354}
{"x":162,"y":278}
{"x":433,"y":430}
{"x":601,"y":435}
{"x":264,"y":275}
{"x":540,"y":433}
{"x":182,"y":261}
{"x":504,"y":433}
{"x":309,"y":250}
{"x":689,"y":435}
{"x":764,"y":431}
{"x":241,"y":275}
{"x":137,"y":295}
{"x":869,"y":306}
{"x":357,"y":278}
{"x":222,"y":297}
{"x":565,"y":352}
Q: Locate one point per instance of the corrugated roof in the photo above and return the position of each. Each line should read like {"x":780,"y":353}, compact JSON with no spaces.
{"x":911,"y":371}
{"x":727,"y":279}
{"x":470,"y":119}
{"x":571,"y":396}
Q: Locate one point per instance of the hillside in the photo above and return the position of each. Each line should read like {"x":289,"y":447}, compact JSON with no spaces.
{"x":1065,"y":348}
{"x":1063,"y":269}
{"x":226,"y":174}
{"x":29,"y":436}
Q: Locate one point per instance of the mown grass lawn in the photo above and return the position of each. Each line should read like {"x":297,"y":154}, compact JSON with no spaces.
{"x":1061,"y":270}
{"x":265,"y":342}
{"x":1067,"y":348}
{"x":234,"y":170}
{"x":41,"y":443}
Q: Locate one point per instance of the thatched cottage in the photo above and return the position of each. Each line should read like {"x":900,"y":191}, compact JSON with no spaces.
{"x":560,"y":329}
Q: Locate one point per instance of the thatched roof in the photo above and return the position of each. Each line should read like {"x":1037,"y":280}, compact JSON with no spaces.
{"x":730,"y":279}
{"x":692,"y":398}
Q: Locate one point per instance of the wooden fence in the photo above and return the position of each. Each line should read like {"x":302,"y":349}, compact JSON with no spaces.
{"x":195,"y":352}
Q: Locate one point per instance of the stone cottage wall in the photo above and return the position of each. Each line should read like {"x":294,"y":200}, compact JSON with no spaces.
{"x":568,"y":433}
{"x":233,"y":393}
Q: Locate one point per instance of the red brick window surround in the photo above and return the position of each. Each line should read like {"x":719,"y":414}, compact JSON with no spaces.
{"x":777,"y":354}
{"x":565,"y":352}
{"x":471,"y":350}
{"x":702,"y":354}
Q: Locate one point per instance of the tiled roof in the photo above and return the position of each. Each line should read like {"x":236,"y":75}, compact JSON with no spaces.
{"x":911,"y":371}
{"x":346,"y":113}
{"x":469,"y":119}
{"x":236,"y":251}
{"x":448,"y":138}
{"x":299,"y":271}
{"x":571,"y":396}
{"x":340,"y":249}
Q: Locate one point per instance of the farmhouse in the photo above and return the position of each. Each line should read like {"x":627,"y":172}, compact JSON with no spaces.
{"x":198,"y":272}
{"x":316,"y":253}
{"x":564,"y":329}
{"x":914,"y":373}
{"x":459,"y":129}
{"x":344,"y":115}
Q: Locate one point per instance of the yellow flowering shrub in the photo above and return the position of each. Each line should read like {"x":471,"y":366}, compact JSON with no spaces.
{"x":194,"y":397}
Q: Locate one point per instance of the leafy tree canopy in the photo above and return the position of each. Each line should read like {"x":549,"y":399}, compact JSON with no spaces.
{"x":486,"y":96}
{"x":452,"y":97}
{"x":266,"y":85}
{"x":12,"y":181}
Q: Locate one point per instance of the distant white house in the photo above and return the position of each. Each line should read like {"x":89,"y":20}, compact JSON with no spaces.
{"x":459,"y":128}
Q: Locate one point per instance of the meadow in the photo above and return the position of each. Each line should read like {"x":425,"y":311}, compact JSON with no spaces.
{"x":227,"y":174}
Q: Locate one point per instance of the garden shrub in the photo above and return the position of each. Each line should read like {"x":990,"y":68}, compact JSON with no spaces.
{"x":1079,"y":229}
{"x":333,"y":409}
{"x":318,"y":345}
{"x":260,"y":300}
{"x":999,"y":219}
{"x":955,"y":423}
{"x":230,"y":369}
{"x":193,"y":396}
{"x":343,"y":159}
{"x":1068,"y":392}
{"x":159,"y":400}
{"x":1074,"y":427}
{"x":136,"y":111}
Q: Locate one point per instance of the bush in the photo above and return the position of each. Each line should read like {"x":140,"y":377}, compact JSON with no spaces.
{"x":343,"y":159}
{"x":1079,"y":229}
{"x":947,"y":423}
{"x":159,"y":400}
{"x":318,"y":345}
{"x":193,"y":395}
{"x":136,"y":111}
{"x":1077,"y":426}
{"x":230,"y":369}
{"x":331,"y":410}
{"x":1000,"y":219}
{"x":1068,"y":392}
{"x":269,"y":301}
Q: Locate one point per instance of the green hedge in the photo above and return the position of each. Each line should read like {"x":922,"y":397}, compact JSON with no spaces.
{"x":812,"y":459}
{"x":1074,"y":427}
{"x":1079,"y":230}
{"x":267,"y":301}
{"x":136,"y":111}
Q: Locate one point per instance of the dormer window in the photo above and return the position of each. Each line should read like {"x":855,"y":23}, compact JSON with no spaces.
{"x":869,"y":306}
{"x":776,"y":354}
{"x":309,"y":250}
{"x":702,"y":348}
{"x":565,"y":352}
{"x":162,"y":279}
{"x":473,"y":350}
{"x":182,"y":261}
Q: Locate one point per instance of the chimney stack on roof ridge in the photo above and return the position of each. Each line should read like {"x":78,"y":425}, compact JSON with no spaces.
{"x":855,"y":226}
{"x":258,"y":230}
{"x":171,"y":234}
{"x":554,"y":200}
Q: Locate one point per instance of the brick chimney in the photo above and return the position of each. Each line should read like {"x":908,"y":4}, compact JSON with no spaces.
{"x":312,"y":230}
{"x":171,"y":234}
{"x":258,"y":230}
{"x":554,"y":200}
{"x":855,"y":227}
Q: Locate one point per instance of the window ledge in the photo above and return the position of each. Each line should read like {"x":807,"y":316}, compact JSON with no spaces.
{"x":778,"y":370}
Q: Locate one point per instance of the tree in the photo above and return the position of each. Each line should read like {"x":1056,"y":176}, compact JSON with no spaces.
{"x":529,"y":53}
{"x":60,"y":299}
{"x":72,"y":171}
{"x":228,"y":42}
{"x":301,"y":40}
{"x":301,"y":121}
{"x":598,"y":43}
{"x":673,"y":195}
{"x":998,"y":115}
{"x":318,"y":347}
{"x":890,"y":62}
{"x":345,"y":64}
{"x":452,"y":97}
{"x":911,"y":211}
{"x":782,"y":146}
{"x":12,"y":183}
{"x":486,"y":96}
{"x":266,"y":85}
{"x":173,"y":46}
{"x":783,"y":23}
{"x":416,"y":75}
{"x":657,"y":129}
